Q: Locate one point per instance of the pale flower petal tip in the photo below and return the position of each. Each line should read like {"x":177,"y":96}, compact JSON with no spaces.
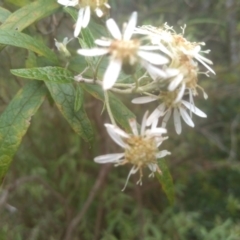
{"x":68,"y":3}
{"x":109,"y":158}
{"x":130,"y":27}
{"x":86,"y":16}
{"x":113,"y":29}
{"x":142,"y":100}
{"x":99,"y":12}
{"x":112,"y":73}
{"x":92,"y":52}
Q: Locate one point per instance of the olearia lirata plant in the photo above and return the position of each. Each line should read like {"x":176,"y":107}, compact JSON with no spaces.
{"x":147,"y":63}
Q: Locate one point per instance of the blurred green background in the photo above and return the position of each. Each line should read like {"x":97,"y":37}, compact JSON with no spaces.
{"x":55,"y":191}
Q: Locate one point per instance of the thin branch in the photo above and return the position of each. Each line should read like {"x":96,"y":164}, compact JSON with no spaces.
{"x":233,"y":150}
{"x":76,"y":220}
{"x":21,"y":181}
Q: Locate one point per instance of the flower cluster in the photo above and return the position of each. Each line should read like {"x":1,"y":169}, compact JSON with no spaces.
{"x":85,"y":8}
{"x":141,"y":150}
{"x":162,"y":65}
{"x":182,"y":76}
{"x":124,"y":52}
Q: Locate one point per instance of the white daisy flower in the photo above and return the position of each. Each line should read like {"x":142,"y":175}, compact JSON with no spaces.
{"x":183,"y":68}
{"x":84,"y":14}
{"x":168,"y":106}
{"x":141,"y":150}
{"x":124,"y":52}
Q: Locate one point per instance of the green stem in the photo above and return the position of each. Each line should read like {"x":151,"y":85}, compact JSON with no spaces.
{"x":97,"y":67}
{"x":108,"y":108}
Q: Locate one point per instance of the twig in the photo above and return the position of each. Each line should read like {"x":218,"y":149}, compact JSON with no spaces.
{"x":233,"y":150}
{"x":76,"y":220}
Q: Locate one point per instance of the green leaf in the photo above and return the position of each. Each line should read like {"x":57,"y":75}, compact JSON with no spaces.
{"x":4,"y":14}
{"x":30,"y":13}
{"x":31,"y":60}
{"x":97,"y":30}
{"x":120,"y":112}
{"x":79,"y":98}
{"x":19,"y":3}
{"x":166,"y":181}
{"x":50,"y":74}
{"x":88,"y":38}
{"x":15,"y":121}
{"x":18,"y":39}
{"x":64,"y":97}
{"x":72,"y":11}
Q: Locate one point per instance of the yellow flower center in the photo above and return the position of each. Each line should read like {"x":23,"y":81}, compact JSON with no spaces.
{"x":125,"y":50}
{"x":169,"y":97}
{"x":141,"y":151}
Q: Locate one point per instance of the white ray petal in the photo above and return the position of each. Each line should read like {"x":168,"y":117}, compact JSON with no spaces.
{"x":164,"y":49}
{"x":99,"y":12}
{"x":93,"y":52}
{"x":159,"y":130}
{"x":133,"y":125}
{"x":133,"y":170}
{"x":194,"y":109}
{"x":154,"y":72}
{"x":112,"y":73}
{"x":141,"y":31}
{"x":109,"y":158}
{"x":205,"y":96}
{"x":175,"y":82}
{"x":197,"y":49}
{"x":172,"y":72}
{"x":130,"y":27}
{"x":116,"y":133}
{"x":162,"y":154}
{"x":78,"y":26}
{"x":116,"y":130}
{"x":107,"y":5}
{"x":149,"y":48}
{"x":114,"y":29}
{"x":153,"y":167}
{"x":86,"y":17}
{"x":206,"y":60}
{"x":158,"y":112}
{"x":142,"y":100}
{"x":68,"y":3}
{"x":204,"y":64}
{"x":154,"y":124}
{"x":103,"y":43}
{"x":153,"y":58}
{"x":159,"y":140}
{"x":186,"y":117}
{"x":180,"y":93}
{"x":66,"y":41}
{"x":177,"y":121}
{"x":143,"y":126}
{"x":166,"y":118}
{"x":191,"y":101}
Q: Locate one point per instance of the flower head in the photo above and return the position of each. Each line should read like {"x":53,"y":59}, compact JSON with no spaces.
{"x":84,"y":14}
{"x":124,"y":52}
{"x":184,"y":56}
{"x":62,"y":46}
{"x":169,"y":105}
{"x":141,"y":150}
